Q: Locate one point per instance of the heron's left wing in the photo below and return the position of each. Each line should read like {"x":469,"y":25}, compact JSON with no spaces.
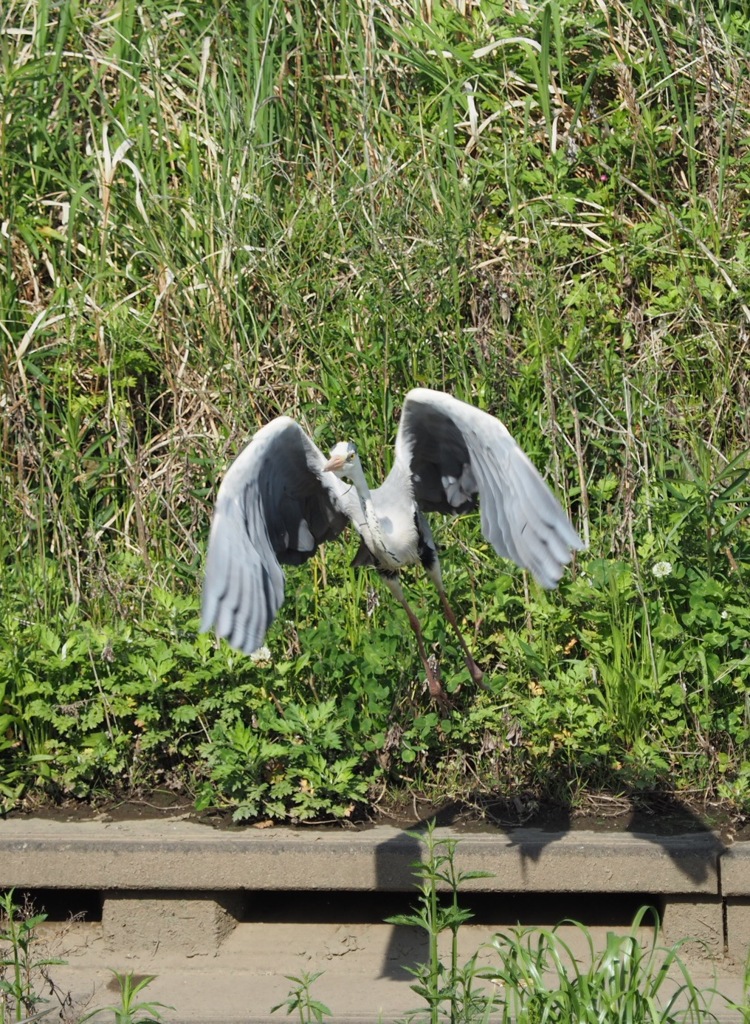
{"x":459,"y":456}
{"x":275,"y":505}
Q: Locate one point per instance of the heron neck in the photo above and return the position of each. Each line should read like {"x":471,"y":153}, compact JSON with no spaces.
{"x":359,"y":483}
{"x":357,"y":477}
{"x":370,"y":527}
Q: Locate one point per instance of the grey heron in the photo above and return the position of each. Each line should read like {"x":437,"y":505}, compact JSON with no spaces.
{"x":281,"y":498}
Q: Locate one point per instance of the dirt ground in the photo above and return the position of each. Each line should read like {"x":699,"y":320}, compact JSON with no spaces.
{"x":664,"y":814}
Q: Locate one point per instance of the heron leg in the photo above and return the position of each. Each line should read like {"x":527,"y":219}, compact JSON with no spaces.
{"x":474,"y":670}
{"x":433,"y":680}
{"x":429,"y":559}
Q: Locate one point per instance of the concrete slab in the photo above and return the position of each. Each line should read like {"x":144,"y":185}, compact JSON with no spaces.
{"x":195,"y":926}
{"x":699,"y":923}
{"x":738,"y":928}
{"x":735,"y":870}
{"x":161,"y":855}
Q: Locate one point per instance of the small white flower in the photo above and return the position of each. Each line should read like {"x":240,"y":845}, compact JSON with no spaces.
{"x":725,"y":614}
{"x":261,"y":656}
{"x":660,"y":569}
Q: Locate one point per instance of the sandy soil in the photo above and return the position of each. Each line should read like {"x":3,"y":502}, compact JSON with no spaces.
{"x":664,"y":814}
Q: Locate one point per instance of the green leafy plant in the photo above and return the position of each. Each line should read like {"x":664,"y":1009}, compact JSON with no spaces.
{"x":22,"y":972}
{"x":535,"y":975}
{"x":300,"y":773}
{"x":129,"y":1010}
{"x":448,"y":989}
{"x":300,"y":1000}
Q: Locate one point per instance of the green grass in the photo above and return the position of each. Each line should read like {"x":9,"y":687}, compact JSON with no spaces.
{"x":215,"y":213}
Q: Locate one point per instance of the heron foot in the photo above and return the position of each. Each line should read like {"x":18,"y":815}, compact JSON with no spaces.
{"x":441,"y":699}
{"x":475,"y":672}
{"x":437,"y":693}
{"x":434,"y":685}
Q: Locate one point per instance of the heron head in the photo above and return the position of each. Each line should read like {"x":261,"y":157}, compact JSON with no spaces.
{"x":342,"y":459}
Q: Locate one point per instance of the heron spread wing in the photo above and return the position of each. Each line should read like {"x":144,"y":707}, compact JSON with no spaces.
{"x":275,"y":505}
{"x":458,"y":455}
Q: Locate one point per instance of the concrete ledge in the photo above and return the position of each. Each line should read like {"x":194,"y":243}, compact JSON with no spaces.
{"x":181,"y":855}
{"x":735,"y":870}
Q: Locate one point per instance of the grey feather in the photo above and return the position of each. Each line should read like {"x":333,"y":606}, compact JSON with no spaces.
{"x":439,"y":436}
{"x":274,"y":493}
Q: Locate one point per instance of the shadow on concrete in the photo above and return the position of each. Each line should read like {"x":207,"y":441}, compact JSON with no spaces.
{"x":689,"y":823}
{"x":678,"y":820}
{"x":658,"y":821}
{"x":656,"y":817}
{"x":408,"y":945}
{"x":658,"y":824}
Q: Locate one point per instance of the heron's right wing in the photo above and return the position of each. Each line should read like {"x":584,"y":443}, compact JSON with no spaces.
{"x":275,"y":505}
{"x":458,"y":455}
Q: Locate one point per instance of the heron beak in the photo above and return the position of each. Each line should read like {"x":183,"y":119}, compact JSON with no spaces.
{"x":334,"y":463}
